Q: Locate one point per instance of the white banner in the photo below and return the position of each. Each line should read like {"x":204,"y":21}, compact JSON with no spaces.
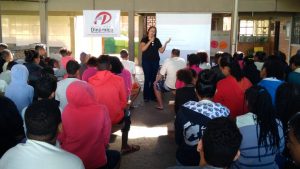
{"x":101,"y":23}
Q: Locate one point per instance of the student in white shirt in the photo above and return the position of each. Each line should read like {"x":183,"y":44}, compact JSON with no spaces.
{"x":130,"y":66}
{"x":168,"y":70}
{"x":73,"y":75}
{"x":43,"y":121}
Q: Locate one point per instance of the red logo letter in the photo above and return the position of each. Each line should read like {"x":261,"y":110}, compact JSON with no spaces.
{"x":104,"y":17}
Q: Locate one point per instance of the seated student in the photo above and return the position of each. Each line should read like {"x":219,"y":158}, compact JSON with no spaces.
{"x":83,"y":63}
{"x":219,"y":145}
{"x":43,"y":121}
{"x":188,"y":92}
{"x":18,"y":90}
{"x":168,"y":70}
{"x":263,"y":137}
{"x":287,"y":102}
{"x":91,"y":69}
{"x":250,"y":71}
{"x":259,"y":59}
{"x":58,"y":72}
{"x":11,"y":125}
{"x":239,"y":57}
{"x":66,"y":57}
{"x":42,"y":53}
{"x":32,"y":59}
{"x":45,"y":89}
{"x":191,"y":119}
{"x":6,"y":75}
{"x":110,"y":91}
{"x":130,"y":65}
{"x":293,"y":143}
{"x":272,"y":75}
{"x":294,"y":77}
{"x":86,"y":128}
{"x":3,"y":46}
{"x":73,"y":75}
{"x":193,"y":62}
{"x":216,"y":68}
{"x":230,"y":91}
{"x":118,"y":69}
{"x":203,"y":60}
{"x":7,"y":56}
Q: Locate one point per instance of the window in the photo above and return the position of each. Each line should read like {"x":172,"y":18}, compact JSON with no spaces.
{"x":254,"y":31}
{"x":296,"y":31}
{"x":226,"y":23}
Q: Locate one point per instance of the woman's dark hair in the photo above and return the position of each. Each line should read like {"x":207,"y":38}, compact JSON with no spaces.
{"x":63,"y":52}
{"x":260,"y":103}
{"x":203,"y":57}
{"x":11,"y":64}
{"x":45,"y":86}
{"x":235,"y":69}
{"x":217,"y":56}
{"x":287,"y":101}
{"x":72,"y":67}
{"x":261,"y":55}
{"x":221,"y":141}
{"x":185,"y":75}
{"x":5,"y":53}
{"x":92,"y":62}
{"x":47,"y":71}
{"x":295,"y":60}
{"x":116,"y":65}
{"x":238,"y":55}
{"x":274,"y":67}
{"x":206,"y":83}
{"x":280,"y":55}
{"x":30,"y":55}
{"x":52,"y":62}
{"x":152,"y":27}
{"x":193,"y":59}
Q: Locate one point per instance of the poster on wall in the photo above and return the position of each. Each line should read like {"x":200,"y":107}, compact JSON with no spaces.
{"x":101,"y":23}
{"x":220,"y":41}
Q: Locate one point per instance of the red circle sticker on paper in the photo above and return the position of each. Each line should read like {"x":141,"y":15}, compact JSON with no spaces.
{"x":214,"y":44}
{"x":223,"y":45}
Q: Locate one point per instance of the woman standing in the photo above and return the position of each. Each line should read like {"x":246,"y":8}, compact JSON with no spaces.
{"x":150,"y":46}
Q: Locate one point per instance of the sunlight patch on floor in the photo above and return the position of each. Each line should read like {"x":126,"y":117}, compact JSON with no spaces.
{"x":145,"y":132}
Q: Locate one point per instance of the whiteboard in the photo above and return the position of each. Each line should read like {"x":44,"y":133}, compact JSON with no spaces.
{"x":188,"y":32}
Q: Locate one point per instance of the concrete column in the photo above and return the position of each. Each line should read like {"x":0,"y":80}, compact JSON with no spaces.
{"x":234,"y":22}
{"x":44,"y":23}
{"x":72,"y":34}
{"x":131,"y":35}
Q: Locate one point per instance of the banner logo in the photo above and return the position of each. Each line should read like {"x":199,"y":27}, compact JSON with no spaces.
{"x":103,"y":18}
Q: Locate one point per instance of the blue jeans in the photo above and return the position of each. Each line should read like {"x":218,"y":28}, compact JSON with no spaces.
{"x":150,"y":69}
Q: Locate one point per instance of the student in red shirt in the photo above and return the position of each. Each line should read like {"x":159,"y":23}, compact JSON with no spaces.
{"x":230,"y":91}
{"x":110,"y":91}
{"x":86,"y":127}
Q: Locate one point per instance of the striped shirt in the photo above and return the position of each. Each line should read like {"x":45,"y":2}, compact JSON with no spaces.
{"x":253,"y":157}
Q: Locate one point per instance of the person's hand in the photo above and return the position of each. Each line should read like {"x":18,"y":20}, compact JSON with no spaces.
{"x":168,"y":41}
